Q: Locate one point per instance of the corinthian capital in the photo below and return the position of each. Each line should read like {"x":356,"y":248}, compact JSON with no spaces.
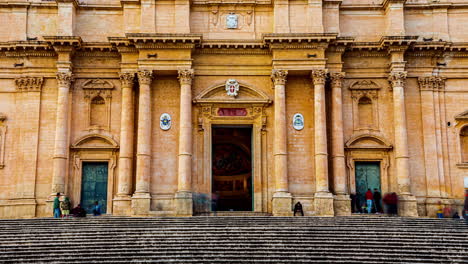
{"x":279,"y":76}
{"x":127,"y":79}
{"x":145,"y":77}
{"x":439,"y":83}
{"x":397,"y":79}
{"x":337,"y":79}
{"x":319,"y":76}
{"x":185,"y":76}
{"x":29,"y":84}
{"x":64,"y":79}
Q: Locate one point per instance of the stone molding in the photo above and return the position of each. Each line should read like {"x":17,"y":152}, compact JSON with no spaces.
{"x":279,"y":76}
{"x":319,"y":76}
{"x":185,"y":76}
{"x":3,"y":130}
{"x":29,"y":84}
{"x":337,"y":79}
{"x":431,"y":83}
{"x":145,"y":77}
{"x":64,"y":79}
{"x":397,"y":79}
{"x":127,"y":79}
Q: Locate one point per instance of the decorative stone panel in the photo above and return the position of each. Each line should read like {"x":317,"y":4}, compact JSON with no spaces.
{"x":360,"y":90}
{"x":98,"y":97}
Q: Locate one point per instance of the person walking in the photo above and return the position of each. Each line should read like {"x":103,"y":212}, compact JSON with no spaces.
{"x":369,"y":200}
{"x":57,"y":206}
{"x":377,"y":198}
{"x":65,"y":206}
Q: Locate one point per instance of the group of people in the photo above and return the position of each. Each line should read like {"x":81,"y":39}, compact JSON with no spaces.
{"x":62,"y":208}
{"x":371,"y":202}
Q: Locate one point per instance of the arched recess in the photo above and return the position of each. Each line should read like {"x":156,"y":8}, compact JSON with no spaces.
{"x":213,"y":108}
{"x":93,"y":148}
{"x":98,"y":112}
{"x":368,"y":148}
{"x":461,"y":127}
{"x":464,"y":143}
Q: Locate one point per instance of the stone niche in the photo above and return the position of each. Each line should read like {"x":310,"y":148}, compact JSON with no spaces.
{"x":365,"y":95}
{"x":461,"y":127}
{"x":98,"y":98}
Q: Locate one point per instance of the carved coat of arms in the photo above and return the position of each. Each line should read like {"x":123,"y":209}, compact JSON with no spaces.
{"x":165,"y":121}
{"x":231,"y":21}
{"x":232,"y":87}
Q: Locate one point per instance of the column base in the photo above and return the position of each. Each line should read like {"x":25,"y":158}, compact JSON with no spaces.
{"x":183,"y":203}
{"x":122,"y":205}
{"x":342,"y":205}
{"x":141,"y":203}
{"x":407,"y":206}
{"x":282,"y":204}
{"x":323,"y":204}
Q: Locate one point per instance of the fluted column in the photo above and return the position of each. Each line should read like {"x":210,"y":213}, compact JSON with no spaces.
{"x":60,"y":158}
{"x":281,"y":198}
{"x":323,"y":200}
{"x":183,"y":198}
{"x":122,"y":201}
{"x":342,"y":203}
{"x":141,"y":197}
{"x":407,"y":200}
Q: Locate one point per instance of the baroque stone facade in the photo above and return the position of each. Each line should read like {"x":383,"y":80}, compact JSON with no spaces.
{"x":375,"y":83}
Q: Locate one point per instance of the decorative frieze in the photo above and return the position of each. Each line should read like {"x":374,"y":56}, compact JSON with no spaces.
{"x":29,"y":84}
{"x":185,"y":76}
{"x":279,"y":76}
{"x":319,"y":76}
{"x":145,"y":77}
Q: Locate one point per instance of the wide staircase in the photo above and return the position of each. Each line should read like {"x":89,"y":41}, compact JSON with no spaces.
{"x":231,"y":239}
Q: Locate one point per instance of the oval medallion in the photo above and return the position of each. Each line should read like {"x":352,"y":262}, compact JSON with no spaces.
{"x":298,"y":121}
{"x":165,"y":121}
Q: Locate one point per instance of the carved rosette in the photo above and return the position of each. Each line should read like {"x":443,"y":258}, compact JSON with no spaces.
{"x":145,"y":77}
{"x":29,"y":84}
{"x":279,"y":76}
{"x":64,"y":79}
{"x":319,"y":76}
{"x":127,"y":79}
{"x":337,"y":79}
{"x":185,"y":76}
{"x":397,"y":79}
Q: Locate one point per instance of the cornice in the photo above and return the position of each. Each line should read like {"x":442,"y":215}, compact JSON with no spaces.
{"x":232,"y":44}
{"x":274,"y":38}
{"x":164,"y":38}
{"x":63,"y":43}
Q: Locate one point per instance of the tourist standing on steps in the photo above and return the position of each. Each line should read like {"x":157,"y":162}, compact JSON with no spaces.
{"x":377,"y":198}
{"x":57,"y":206}
{"x":65,"y":206}
{"x":298,"y":209}
{"x":369,"y":200}
{"x":97,"y":209}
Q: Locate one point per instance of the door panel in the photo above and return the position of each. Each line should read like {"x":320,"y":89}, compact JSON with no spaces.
{"x":94,"y":185}
{"x":367,"y":177}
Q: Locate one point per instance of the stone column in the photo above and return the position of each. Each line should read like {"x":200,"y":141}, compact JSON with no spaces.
{"x":183,"y":197}
{"x":342,"y":203}
{"x":60,"y":158}
{"x":122,"y":201}
{"x":141,"y":198}
{"x":282,"y":199}
{"x":407,"y":205}
{"x":323,"y":200}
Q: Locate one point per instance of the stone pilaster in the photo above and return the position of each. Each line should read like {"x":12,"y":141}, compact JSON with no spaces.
{"x":282,"y":199}
{"x":122,"y":202}
{"x":141,"y":199}
{"x":323,"y":200}
{"x":60,"y":158}
{"x":407,"y":205}
{"x":183,"y":197}
{"x":342,"y":202}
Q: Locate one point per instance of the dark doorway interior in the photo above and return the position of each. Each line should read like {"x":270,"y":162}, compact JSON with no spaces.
{"x":232,"y":167}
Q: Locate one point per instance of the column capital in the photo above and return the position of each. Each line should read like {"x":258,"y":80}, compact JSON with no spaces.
{"x":431,"y":83}
{"x":319,"y":76}
{"x":127,"y":79}
{"x":29,"y":84}
{"x":65,"y":78}
{"x":145,"y":77}
{"x":279,"y":76}
{"x":337,"y":79}
{"x":185,"y":76}
{"x":397,"y":79}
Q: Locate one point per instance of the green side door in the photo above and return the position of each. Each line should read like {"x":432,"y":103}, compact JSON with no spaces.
{"x":94,"y":185}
